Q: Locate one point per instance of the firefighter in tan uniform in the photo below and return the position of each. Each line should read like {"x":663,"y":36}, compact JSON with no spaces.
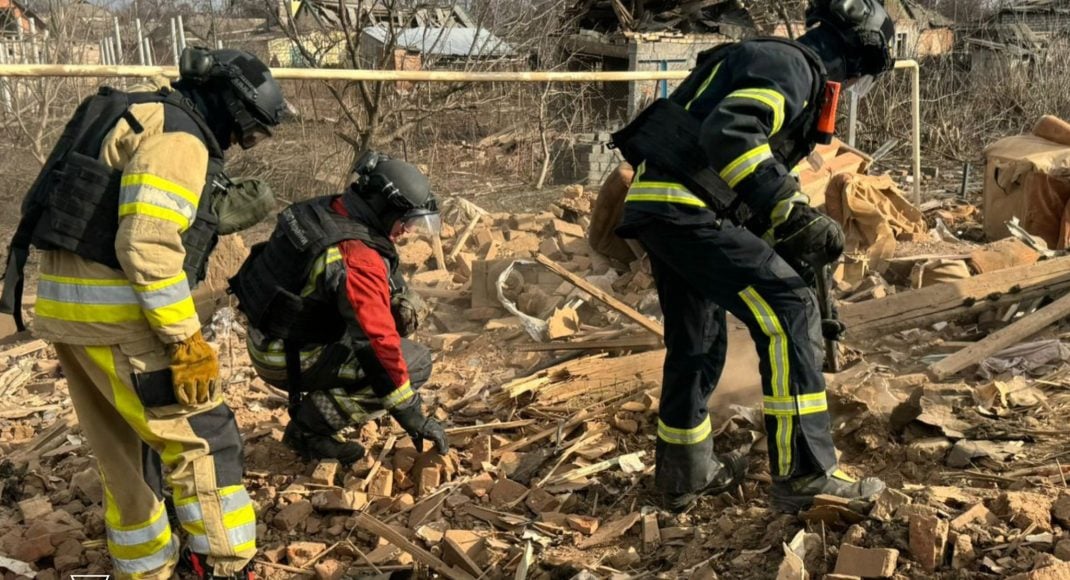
{"x":121,"y":254}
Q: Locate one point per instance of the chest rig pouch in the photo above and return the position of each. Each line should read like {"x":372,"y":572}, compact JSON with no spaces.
{"x":666,"y":135}
{"x":269,"y":283}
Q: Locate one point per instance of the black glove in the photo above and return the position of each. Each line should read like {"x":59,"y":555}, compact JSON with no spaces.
{"x":420,"y":426}
{"x":833,"y":329}
{"x":805,"y":236}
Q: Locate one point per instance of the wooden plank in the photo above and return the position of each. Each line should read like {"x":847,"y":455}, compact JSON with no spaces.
{"x":599,"y":294}
{"x":443,"y":293}
{"x":1007,"y":336}
{"x":372,"y":525}
{"x":490,"y":427}
{"x":630,"y":342}
{"x":24,"y":349}
{"x":953,"y":300}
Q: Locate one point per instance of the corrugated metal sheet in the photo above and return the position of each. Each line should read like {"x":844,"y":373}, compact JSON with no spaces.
{"x":454,"y":41}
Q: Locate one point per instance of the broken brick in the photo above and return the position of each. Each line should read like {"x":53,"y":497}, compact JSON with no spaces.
{"x":568,"y":229}
{"x":962,"y":554}
{"x":1060,"y":510}
{"x":291,"y":516}
{"x":583,"y":524}
{"x":480,"y":450}
{"x":325,"y":472}
{"x":35,"y":507}
{"x":928,"y":538}
{"x":977,"y":513}
{"x":86,"y":486}
{"x":1024,"y":509}
{"x":540,"y":501}
{"x":507,"y":493}
{"x":428,"y":480}
{"x":854,"y":535}
{"x":479,"y":485}
{"x":623,"y":559}
{"x":610,"y":532}
{"x":299,"y":553}
{"x":888,"y":503}
{"x":464,"y":549}
{"x":1059,"y":571}
{"x":866,"y":562}
{"x":382,"y":485}
{"x":329,"y":570}
{"x":339,"y":500}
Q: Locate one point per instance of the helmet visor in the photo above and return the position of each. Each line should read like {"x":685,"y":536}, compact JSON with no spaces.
{"x":253,"y":134}
{"x":861,"y":86}
{"x":422,"y":222}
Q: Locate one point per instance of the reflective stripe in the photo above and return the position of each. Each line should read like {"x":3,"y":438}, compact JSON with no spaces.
{"x":839,"y":474}
{"x":705,"y":85}
{"x":691,"y":436}
{"x":86,"y":290}
{"x":166,"y":302}
{"x":781,"y":211}
{"x":808,"y":404}
{"x":145,"y":190}
{"x":399,"y":396}
{"x":780,"y":371}
{"x":231,"y":499}
{"x":331,"y":256}
{"x":769,"y":98}
{"x":662,"y":191}
{"x":134,"y":534}
{"x":275,"y":355}
{"x":745,"y":164}
{"x":241,"y":538}
{"x":93,"y":313}
{"x":151,"y":210}
{"x":150,"y":562}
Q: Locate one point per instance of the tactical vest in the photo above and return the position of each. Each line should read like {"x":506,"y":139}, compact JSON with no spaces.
{"x":269,"y":283}
{"x":73,"y":204}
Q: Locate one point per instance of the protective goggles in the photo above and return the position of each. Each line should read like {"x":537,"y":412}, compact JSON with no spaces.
{"x":421,"y":221}
{"x":252,"y":132}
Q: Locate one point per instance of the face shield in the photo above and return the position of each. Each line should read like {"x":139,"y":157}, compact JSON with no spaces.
{"x":419,"y":221}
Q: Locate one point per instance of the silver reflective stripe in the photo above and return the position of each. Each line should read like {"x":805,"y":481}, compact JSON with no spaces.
{"x":151,"y":562}
{"x":273,"y":355}
{"x":85,"y":294}
{"x":165,"y":296}
{"x":141,"y":535}
{"x":157,"y":197}
{"x":746,"y":166}
{"x":242,"y":534}
{"x":231,"y":502}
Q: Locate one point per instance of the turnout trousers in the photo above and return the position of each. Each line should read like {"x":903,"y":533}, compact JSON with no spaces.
{"x":701,"y":271}
{"x":337,"y":393}
{"x":124,"y":399}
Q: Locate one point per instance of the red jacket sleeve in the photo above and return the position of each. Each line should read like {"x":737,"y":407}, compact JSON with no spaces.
{"x":377,"y":343}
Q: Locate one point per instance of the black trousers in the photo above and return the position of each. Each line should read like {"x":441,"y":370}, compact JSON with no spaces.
{"x":701,"y":272}
{"x":340,"y":395}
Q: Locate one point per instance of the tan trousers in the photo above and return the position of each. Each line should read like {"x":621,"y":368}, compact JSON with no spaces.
{"x":123,"y":396}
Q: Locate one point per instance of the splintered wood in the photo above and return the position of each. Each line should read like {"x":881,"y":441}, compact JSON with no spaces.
{"x":588,"y":378}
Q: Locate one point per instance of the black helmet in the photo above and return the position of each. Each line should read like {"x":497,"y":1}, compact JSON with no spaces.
{"x":864,"y":26}
{"x":396,"y":192}
{"x":254,"y":100}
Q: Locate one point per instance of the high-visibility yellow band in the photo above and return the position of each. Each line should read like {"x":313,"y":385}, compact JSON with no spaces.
{"x":145,"y":209}
{"x":746,"y":164}
{"x":399,"y":396}
{"x":808,"y":404}
{"x":148,"y":179}
{"x":780,"y":370}
{"x":172,"y":314}
{"x":705,"y":85}
{"x":101,"y":313}
{"x":161,"y":284}
{"x":692,"y":436}
{"x":138,"y":551}
{"x":769,"y":98}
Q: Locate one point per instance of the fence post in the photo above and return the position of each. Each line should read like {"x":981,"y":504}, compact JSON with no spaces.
{"x":140,"y":43}
{"x":118,"y":42}
{"x":174,"y":42}
{"x":181,"y":36}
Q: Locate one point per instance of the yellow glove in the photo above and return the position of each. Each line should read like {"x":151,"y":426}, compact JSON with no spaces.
{"x":194,"y":370}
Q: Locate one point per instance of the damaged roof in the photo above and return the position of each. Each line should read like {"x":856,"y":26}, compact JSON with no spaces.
{"x":453,"y":41}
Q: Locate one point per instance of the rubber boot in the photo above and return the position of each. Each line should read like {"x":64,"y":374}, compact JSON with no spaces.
{"x":733,"y":469}
{"x":313,"y":446}
{"x":797,"y":494}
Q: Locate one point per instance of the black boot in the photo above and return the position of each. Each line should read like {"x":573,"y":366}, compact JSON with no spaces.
{"x":196,"y":566}
{"x":797,"y":494}
{"x":311,"y":446}
{"x":733,"y":469}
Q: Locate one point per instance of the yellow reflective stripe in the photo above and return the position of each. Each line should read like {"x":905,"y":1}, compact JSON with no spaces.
{"x":746,"y":164}
{"x":161,"y":284}
{"x":808,"y":404}
{"x":86,"y":281}
{"x":138,"y":551}
{"x":172,"y":313}
{"x":778,"y":361}
{"x":662,"y":191}
{"x":769,"y":98}
{"x":129,"y":405}
{"x":705,"y":85}
{"x":231,"y":520}
{"x":145,"y":209}
{"x":150,"y":180}
{"x":399,"y":396}
{"x":692,"y":436}
{"x":331,"y":256}
{"x":75,"y":312}
{"x":839,"y":474}
{"x":783,"y":208}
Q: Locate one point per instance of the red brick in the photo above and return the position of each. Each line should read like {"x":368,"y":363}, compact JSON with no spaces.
{"x":866,"y":563}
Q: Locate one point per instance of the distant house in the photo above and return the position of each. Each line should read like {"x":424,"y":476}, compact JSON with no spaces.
{"x":919,"y":31}
{"x":18,"y":21}
{"x":415,"y":48}
{"x":1045,"y":18}
{"x":250,"y":34}
{"x":1020,"y":35}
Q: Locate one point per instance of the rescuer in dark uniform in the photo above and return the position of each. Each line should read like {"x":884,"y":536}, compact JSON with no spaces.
{"x":726,"y":228}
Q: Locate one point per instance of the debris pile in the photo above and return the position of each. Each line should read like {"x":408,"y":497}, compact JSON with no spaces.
{"x":547,"y":374}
